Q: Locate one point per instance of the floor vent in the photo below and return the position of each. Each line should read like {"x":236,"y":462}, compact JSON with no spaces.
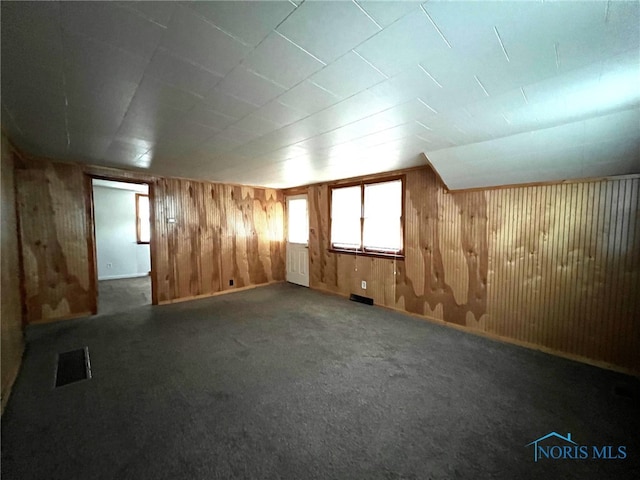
{"x":73,"y":366}
{"x":361,"y":299}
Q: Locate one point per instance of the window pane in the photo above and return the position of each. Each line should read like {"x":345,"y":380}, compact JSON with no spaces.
{"x":144,"y":218}
{"x":298,"y":226}
{"x":345,"y":217}
{"x":383,"y":212}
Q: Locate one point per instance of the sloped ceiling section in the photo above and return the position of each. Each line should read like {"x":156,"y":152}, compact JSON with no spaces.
{"x":288,"y":93}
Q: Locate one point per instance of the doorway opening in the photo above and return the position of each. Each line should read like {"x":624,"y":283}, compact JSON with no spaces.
{"x":122,"y":241}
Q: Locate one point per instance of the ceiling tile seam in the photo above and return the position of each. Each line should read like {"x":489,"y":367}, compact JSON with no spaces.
{"x":435,"y":26}
{"x":13,"y":120}
{"x":370,"y":64}
{"x":209,"y":22}
{"x":138,"y":13}
{"x":324,"y":64}
{"x":190,"y":62}
{"x":324,"y":89}
{"x":504,"y":50}
{"x":481,"y":85}
{"x":368,"y":16}
{"x":264,"y":77}
{"x":427,"y":105}
{"x":429,"y":75}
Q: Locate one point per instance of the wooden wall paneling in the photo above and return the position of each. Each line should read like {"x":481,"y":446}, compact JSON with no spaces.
{"x":276,"y":219}
{"x":552,"y":266}
{"x":54,"y":231}
{"x":11,"y":311}
{"x":160,"y":232}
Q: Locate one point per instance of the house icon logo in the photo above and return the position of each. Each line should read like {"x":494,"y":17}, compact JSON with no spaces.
{"x":554,"y":446}
{"x":567,"y":440}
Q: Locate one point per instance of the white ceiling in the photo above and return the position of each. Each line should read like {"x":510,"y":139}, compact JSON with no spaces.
{"x":289,"y":93}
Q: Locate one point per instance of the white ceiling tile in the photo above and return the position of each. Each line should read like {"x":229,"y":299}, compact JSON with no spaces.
{"x":228,"y":104}
{"x":123,"y":152}
{"x":281,"y":61}
{"x":328,"y":29}
{"x":256,"y":125}
{"x":621,"y":30}
{"x":83,"y":147}
{"x":192,"y":37}
{"x":250,"y":87}
{"x":218,"y":144}
{"x":308,"y":97}
{"x":207,"y":116}
{"x":387,"y":12}
{"x":152,"y":94}
{"x":249,"y":21}
{"x":185,"y":134}
{"x":281,"y":114}
{"x":90,"y":121}
{"x":94,"y":61}
{"x":349,"y":110}
{"x":31,"y":30}
{"x":41,"y":80}
{"x":237,"y":135}
{"x":348,"y":75}
{"x":181,"y":73}
{"x":403,"y":44}
{"x":109,"y":23}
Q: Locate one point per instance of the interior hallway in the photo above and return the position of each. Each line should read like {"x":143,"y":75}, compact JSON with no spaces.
{"x":123,"y":294}
{"x":287,"y":382}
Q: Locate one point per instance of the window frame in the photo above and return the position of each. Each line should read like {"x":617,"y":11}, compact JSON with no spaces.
{"x":138,"y":219}
{"x":362,"y":250}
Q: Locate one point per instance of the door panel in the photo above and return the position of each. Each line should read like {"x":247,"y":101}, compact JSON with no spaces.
{"x":297,"y":240}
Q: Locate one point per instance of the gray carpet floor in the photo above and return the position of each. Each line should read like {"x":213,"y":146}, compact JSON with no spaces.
{"x":286,"y":382}
{"x":123,"y":294}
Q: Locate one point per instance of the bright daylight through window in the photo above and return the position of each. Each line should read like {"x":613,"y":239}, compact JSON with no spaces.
{"x":367,"y":218}
{"x":143,"y":216}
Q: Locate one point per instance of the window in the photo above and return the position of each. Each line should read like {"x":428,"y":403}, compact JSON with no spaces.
{"x":298,"y":221}
{"x":143,"y":218}
{"x":367,"y":218}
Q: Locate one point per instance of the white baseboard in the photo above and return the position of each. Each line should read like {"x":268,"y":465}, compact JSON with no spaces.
{"x":128,"y":275}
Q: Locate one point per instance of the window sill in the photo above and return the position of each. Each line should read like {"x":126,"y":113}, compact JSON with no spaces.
{"x":389,"y":256}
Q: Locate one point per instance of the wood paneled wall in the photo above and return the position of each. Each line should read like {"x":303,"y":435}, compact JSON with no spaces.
{"x":203,"y":235}
{"x":553,"y":266}
{"x":11,"y":312}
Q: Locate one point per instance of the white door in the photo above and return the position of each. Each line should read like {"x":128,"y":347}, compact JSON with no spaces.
{"x":298,"y":240}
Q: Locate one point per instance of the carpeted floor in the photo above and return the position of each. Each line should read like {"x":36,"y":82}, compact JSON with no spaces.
{"x":123,"y":294}
{"x":286,"y":382}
